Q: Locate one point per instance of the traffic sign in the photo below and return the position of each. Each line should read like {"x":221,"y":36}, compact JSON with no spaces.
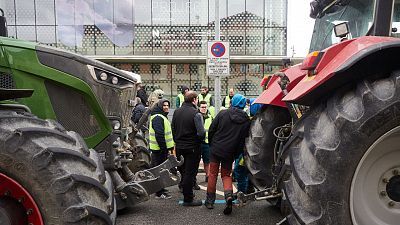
{"x":218,"y":58}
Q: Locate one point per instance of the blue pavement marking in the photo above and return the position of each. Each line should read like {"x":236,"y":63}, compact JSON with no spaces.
{"x":180,"y":202}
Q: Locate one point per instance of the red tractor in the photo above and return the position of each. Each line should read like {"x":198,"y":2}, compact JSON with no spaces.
{"x":325,"y":148}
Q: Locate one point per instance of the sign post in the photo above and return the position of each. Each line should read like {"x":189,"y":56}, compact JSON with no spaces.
{"x":217,"y":59}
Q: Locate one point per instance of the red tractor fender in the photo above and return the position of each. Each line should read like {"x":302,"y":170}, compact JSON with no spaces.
{"x":344,"y":63}
{"x":273,"y":94}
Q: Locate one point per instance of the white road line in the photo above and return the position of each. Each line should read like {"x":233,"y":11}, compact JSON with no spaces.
{"x":217,"y":192}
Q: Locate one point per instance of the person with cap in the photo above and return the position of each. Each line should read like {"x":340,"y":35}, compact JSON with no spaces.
{"x":227,"y":100}
{"x":159,"y":93}
{"x":226,"y":136}
{"x":240,"y":172}
{"x":188,"y":132}
{"x":181,"y":97}
{"x":160,"y":136}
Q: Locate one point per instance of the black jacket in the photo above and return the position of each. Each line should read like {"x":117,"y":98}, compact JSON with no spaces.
{"x":138,"y":112}
{"x":187,"y":127}
{"x":143,"y":96}
{"x":228,"y":132}
{"x":158,"y":124}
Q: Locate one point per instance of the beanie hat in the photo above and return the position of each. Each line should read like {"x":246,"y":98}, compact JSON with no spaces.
{"x":184,"y":88}
{"x":238,"y":101}
{"x":254,"y":107}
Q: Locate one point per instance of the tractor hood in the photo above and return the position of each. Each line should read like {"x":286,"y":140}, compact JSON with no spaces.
{"x":45,"y":51}
{"x":343,"y":63}
{"x":113,"y":93}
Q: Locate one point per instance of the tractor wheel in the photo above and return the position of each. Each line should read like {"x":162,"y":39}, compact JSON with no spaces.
{"x":346,"y":165}
{"x":260,"y":144}
{"x":141,"y":154}
{"x":49,"y":176}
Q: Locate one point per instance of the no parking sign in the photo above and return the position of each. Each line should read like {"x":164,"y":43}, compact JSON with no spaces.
{"x":218,"y":58}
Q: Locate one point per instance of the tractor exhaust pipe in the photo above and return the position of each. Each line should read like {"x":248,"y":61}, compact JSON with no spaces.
{"x":3,"y":24}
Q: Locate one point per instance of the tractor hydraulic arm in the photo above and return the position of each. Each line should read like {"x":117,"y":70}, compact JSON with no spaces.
{"x":268,"y":193}
{"x":146,"y":182}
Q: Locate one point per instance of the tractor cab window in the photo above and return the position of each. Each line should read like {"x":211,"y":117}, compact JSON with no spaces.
{"x":358,"y":14}
{"x":396,"y":19}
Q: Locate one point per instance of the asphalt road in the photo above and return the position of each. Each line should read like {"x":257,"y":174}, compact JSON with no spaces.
{"x":168,"y":211}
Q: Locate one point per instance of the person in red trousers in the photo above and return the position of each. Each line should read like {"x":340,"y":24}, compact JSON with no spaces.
{"x":226,"y":136}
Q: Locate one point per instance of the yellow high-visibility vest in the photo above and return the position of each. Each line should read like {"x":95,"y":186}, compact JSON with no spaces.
{"x":167,"y":133}
{"x":181,"y":99}
{"x":227,"y":101}
{"x":206,"y":99}
{"x":207,"y":124}
{"x":241,"y":161}
{"x":211,"y":110}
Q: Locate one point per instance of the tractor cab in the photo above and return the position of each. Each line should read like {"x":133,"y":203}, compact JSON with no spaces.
{"x":358,"y":15}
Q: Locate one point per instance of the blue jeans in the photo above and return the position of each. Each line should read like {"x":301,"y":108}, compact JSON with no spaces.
{"x":240,"y":173}
{"x":205,"y":153}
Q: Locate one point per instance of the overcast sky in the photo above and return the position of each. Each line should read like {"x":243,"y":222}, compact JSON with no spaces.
{"x":300,"y":27}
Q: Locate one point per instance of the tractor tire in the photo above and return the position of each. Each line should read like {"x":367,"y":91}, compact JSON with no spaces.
{"x":259,"y":151}
{"x":141,"y":154}
{"x":65,"y":179}
{"x":345,"y":162}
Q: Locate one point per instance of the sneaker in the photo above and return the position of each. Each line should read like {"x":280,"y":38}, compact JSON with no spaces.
{"x":164,"y":196}
{"x":209,"y":205}
{"x":228,"y":207}
{"x":193,"y":203}
{"x":196,"y":186}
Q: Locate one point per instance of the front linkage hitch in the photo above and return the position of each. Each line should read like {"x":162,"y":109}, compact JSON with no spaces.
{"x":144,"y":183}
{"x":266,"y":194}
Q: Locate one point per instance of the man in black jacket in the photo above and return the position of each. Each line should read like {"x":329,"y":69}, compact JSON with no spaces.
{"x":188,"y":131}
{"x":137,"y":113}
{"x":141,"y":93}
{"x":226,"y":135}
{"x":138,"y":110}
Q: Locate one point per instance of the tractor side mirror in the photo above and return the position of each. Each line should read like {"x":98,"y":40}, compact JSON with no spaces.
{"x":341,"y":30}
{"x":3,"y":24}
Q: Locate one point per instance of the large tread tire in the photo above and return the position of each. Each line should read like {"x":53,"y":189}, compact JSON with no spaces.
{"x":334,"y":137}
{"x":141,"y":154}
{"x":260,"y":144}
{"x":65,"y":178}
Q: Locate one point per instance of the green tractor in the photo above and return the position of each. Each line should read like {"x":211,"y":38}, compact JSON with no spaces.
{"x":67,"y":148}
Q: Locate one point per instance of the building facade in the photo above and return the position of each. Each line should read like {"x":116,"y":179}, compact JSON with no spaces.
{"x":165,"y":41}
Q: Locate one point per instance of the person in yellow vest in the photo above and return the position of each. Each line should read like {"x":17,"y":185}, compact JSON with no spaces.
{"x":205,"y":147}
{"x":181,"y":97}
{"x":206,"y":96}
{"x":160,"y":136}
{"x":226,"y":103}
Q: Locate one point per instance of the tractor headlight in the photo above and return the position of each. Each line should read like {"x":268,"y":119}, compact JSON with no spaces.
{"x":114,"y":80}
{"x":116,"y":125}
{"x":103,"y":76}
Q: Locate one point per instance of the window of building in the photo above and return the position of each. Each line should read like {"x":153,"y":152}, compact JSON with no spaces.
{"x":179,"y":68}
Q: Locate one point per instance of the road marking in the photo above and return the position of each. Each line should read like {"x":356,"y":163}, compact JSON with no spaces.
{"x":218,"y":201}
{"x":217,"y":192}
